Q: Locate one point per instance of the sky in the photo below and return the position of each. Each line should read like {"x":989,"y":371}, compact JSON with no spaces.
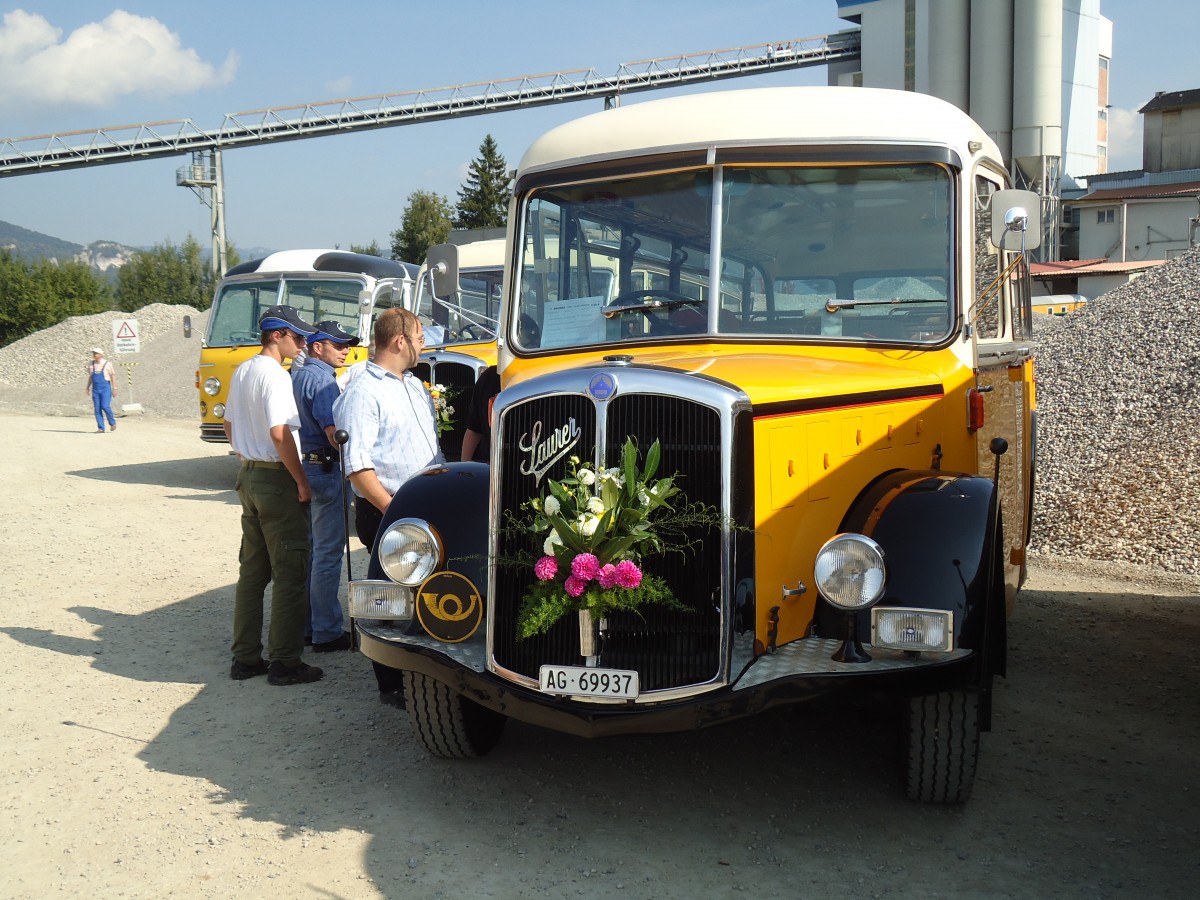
{"x":73,"y":66}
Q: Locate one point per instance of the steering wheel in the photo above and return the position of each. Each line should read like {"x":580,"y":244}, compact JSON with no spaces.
{"x":468,"y":333}
{"x":243,"y":336}
{"x":658,"y":324}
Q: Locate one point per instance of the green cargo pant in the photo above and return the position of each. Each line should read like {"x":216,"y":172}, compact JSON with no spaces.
{"x":275,"y":544}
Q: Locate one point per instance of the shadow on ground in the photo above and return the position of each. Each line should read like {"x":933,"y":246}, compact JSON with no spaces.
{"x":204,"y":473}
{"x":1078,"y":790}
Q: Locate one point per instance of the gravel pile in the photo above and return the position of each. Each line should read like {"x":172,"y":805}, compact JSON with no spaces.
{"x":46,"y":371}
{"x":1118,"y":468}
{"x":1118,"y":456}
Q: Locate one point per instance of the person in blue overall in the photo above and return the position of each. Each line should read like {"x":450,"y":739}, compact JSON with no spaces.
{"x":315,"y":387}
{"x":102,"y":388}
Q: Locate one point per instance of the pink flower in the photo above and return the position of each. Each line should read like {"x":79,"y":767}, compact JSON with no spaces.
{"x":628,"y":574}
{"x":585,"y":567}
{"x":545,"y":568}
{"x":574,"y":586}
{"x":608,"y":575}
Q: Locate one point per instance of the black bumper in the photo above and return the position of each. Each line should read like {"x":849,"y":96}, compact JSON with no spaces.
{"x":750,"y":693}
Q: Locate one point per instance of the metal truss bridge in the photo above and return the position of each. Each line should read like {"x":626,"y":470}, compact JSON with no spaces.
{"x":151,"y":140}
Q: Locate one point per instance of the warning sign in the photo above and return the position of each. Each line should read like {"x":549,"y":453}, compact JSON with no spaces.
{"x":125,"y":336}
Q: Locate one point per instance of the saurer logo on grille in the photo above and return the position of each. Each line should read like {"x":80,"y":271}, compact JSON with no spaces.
{"x":541,"y":454}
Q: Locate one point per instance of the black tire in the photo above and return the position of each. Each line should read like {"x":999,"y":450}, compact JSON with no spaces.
{"x":446,"y":723}
{"x":943,"y":745}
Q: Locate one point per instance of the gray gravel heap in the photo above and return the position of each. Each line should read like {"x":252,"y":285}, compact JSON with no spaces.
{"x":1118,"y":454}
{"x":46,"y":371}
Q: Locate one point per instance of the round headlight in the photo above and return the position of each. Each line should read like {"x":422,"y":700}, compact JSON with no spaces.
{"x":212,"y":386}
{"x":849,"y":571}
{"x":219,"y":410}
{"x":409,"y":551}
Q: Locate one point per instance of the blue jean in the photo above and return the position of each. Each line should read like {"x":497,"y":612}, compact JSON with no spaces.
{"x":327,"y":514}
{"x":102,"y":402}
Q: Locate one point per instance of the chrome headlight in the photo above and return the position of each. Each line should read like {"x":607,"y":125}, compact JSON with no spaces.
{"x":212,"y":386}
{"x":219,"y":410}
{"x":410,"y":551}
{"x":849,"y":571}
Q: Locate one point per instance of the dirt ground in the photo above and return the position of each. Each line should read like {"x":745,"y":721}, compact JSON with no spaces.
{"x":134,"y":767}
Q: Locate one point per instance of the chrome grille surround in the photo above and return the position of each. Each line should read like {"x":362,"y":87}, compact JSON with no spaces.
{"x":696,"y":417}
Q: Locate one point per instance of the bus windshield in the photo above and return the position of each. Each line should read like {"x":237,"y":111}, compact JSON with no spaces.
{"x":240,"y":304}
{"x":856,"y":253}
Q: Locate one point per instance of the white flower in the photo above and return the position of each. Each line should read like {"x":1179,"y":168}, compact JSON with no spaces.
{"x":587,"y":477}
{"x":596,"y":506}
{"x":589,"y":526}
{"x":643,"y":498}
{"x":551,"y":542}
{"x":552,"y":506}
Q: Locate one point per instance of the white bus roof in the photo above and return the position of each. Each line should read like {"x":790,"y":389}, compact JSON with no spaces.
{"x":762,"y":116}
{"x":297,"y":261}
{"x":481,"y":254}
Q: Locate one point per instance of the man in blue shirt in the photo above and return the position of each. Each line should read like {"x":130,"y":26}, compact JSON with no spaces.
{"x":315,"y":387}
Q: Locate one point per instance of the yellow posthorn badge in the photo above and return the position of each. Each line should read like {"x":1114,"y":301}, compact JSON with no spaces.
{"x":449,"y":607}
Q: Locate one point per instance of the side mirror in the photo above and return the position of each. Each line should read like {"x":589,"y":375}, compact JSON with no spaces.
{"x":1016,"y":220}
{"x":187,"y":326}
{"x":442,"y":262}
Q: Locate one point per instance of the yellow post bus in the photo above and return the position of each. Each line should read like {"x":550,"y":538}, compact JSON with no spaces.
{"x":810,"y":307}
{"x":349,"y":288}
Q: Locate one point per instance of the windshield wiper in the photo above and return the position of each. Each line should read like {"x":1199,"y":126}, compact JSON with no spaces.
{"x":836,"y":303}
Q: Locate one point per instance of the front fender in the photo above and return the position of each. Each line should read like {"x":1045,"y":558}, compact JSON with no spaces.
{"x":936,"y":533}
{"x":453,"y":498}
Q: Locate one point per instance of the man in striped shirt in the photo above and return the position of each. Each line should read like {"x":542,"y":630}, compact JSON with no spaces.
{"x":389,"y":416}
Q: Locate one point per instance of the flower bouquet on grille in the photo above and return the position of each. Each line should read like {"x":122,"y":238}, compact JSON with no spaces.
{"x":599,"y":525}
{"x":443,"y":412}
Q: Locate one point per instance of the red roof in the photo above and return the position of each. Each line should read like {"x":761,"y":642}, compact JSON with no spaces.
{"x":1141,"y":192}
{"x":1090,"y":267}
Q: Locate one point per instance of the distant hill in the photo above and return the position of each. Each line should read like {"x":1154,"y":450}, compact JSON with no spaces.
{"x":104,"y":257}
{"x":31,"y":245}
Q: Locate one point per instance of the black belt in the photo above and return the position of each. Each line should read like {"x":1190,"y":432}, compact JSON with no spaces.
{"x":317,"y":456}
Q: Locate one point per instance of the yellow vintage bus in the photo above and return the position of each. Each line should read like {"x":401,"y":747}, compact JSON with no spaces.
{"x":349,"y":288}
{"x":809,"y":309}
{"x":458,"y":301}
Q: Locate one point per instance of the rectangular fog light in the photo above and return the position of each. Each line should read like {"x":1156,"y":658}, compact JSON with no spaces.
{"x":380,"y":600}
{"x":899,"y":628}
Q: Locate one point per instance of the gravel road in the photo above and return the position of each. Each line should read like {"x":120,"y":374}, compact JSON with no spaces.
{"x":134,"y":767}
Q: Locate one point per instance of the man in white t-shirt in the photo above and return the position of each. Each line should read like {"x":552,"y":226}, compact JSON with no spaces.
{"x":261,"y":421}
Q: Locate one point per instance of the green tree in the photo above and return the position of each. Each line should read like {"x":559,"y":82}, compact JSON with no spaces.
{"x":426,"y":222}
{"x":37,"y":295}
{"x":371,"y":249}
{"x":483,"y":198}
{"x":169,"y":274}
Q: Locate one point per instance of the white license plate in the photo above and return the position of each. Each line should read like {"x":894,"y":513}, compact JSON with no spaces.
{"x":578,"y":681}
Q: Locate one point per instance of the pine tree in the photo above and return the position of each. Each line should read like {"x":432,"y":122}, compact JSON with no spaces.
{"x":483,"y":199}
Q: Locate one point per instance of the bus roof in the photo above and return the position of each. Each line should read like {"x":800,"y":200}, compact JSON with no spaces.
{"x":481,"y":254}
{"x":294,"y":261}
{"x":757,"y":117}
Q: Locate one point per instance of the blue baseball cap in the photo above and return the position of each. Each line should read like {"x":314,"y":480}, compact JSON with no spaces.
{"x":332,"y":331}
{"x":277,"y":317}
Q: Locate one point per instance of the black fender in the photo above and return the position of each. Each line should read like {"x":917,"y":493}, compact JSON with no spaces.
{"x":453,"y":498}
{"x":940,"y":537}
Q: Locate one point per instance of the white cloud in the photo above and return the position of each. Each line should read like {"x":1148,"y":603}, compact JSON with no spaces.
{"x":339,"y":87}
{"x":1124,"y":139}
{"x":100,"y":62}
